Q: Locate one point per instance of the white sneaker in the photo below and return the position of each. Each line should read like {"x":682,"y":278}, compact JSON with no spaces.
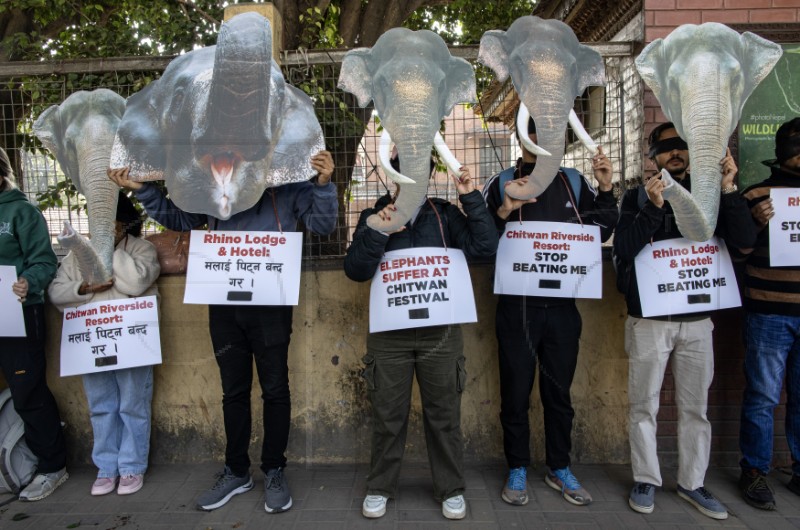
{"x":455,"y":507}
{"x":374,"y":506}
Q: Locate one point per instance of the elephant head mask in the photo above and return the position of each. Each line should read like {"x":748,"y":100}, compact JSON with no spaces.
{"x":702,"y":76}
{"x":80,"y":132}
{"x":549,"y":69}
{"x":221,"y":125}
{"x":414,"y":82}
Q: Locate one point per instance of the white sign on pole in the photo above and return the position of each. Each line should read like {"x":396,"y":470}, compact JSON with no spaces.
{"x":12,"y":321}
{"x":243,"y":268}
{"x":110,"y":335}
{"x":784,"y":227}
{"x":678,"y":276}
{"x":538,"y":258}
{"x":420,"y":287}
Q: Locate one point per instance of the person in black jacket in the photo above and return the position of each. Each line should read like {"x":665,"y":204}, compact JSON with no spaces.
{"x":434,"y":353}
{"x":650,"y":342}
{"x":543,"y":330}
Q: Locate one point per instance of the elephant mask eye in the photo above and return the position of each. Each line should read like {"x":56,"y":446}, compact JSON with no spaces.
{"x":177,"y":105}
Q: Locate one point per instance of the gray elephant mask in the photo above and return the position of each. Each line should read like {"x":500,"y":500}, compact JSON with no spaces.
{"x":549,"y":69}
{"x":702,"y":76}
{"x":221,"y":125}
{"x":79,"y":133}
{"x":415,"y":83}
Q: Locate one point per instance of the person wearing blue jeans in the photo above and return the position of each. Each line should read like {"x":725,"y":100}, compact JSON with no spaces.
{"x":771,"y":334}
{"x":119,"y":400}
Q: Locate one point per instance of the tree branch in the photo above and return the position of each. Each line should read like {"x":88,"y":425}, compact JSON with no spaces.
{"x":205,"y":15}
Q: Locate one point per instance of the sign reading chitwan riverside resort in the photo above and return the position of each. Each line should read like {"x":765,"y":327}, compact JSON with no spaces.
{"x":110,"y":335}
{"x":678,"y":276}
{"x":243,"y":268}
{"x":549,"y":259}
{"x":419,"y":287}
{"x":784,"y":227}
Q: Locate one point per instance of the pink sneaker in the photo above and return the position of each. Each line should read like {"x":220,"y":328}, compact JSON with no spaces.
{"x":103,"y":486}
{"x":130,"y":484}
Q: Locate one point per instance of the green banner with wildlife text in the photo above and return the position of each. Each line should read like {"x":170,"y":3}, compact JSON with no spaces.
{"x":775,"y":101}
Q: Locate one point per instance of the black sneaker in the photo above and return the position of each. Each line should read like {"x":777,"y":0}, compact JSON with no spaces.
{"x":276,"y":491}
{"x":755,"y":490}
{"x":794,"y":484}
{"x":226,"y":486}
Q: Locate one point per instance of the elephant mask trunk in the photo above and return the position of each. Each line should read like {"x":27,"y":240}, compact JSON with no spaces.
{"x":706,"y":123}
{"x":236,"y":120}
{"x":414,"y":163}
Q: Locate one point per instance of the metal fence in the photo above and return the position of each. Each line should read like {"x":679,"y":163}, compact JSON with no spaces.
{"x":352,"y":134}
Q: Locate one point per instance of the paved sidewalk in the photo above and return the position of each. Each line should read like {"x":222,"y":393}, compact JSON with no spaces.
{"x":329,"y":497}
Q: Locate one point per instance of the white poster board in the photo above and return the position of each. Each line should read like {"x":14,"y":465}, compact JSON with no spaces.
{"x":538,"y":258}
{"x":784,"y":227}
{"x":12,"y":321}
{"x":110,"y":335}
{"x":678,"y":276}
{"x":243,"y":268}
{"x":420,"y":287}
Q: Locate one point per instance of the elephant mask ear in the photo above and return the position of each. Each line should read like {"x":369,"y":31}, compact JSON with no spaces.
{"x":48,"y":128}
{"x":591,"y":68}
{"x":493,"y":54}
{"x":460,"y":84}
{"x":355,"y":77}
{"x":139,"y":144}
{"x":758,"y":57}
{"x":650,"y":64}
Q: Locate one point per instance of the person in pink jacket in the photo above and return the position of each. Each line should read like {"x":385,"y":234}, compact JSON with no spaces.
{"x":119,"y":400}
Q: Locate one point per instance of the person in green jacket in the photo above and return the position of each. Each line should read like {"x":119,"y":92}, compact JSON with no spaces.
{"x":25,"y":244}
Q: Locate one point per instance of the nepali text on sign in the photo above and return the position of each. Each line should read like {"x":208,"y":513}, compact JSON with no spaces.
{"x":243,"y":268}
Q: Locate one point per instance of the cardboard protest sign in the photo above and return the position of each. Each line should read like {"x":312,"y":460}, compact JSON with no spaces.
{"x":678,"y":276}
{"x":419,"y":287}
{"x":784,"y":227}
{"x":110,"y":335}
{"x":549,"y":259}
{"x":12,"y":321}
{"x":243,"y":268}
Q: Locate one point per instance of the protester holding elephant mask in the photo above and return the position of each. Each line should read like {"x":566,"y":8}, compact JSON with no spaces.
{"x":25,"y":244}
{"x":119,"y":400}
{"x":434,"y":353}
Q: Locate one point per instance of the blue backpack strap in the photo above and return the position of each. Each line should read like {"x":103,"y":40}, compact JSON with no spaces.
{"x":506,"y":175}
{"x":574,"y":177}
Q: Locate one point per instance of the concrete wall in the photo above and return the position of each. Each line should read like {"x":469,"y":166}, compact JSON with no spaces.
{"x":330,"y":409}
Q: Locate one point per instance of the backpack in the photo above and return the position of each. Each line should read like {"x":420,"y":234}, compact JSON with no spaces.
{"x":573,"y":175}
{"x":17,"y":461}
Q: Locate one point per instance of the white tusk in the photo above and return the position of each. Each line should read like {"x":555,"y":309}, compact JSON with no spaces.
{"x":383,"y":155}
{"x":580,"y":132}
{"x":450,"y":160}
{"x":522,"y":121}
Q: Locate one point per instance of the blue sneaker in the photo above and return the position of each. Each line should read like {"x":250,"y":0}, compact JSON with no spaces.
{"x":643,"y":497}
{"x":516,"y":489}
{"x":564,"y":481}
{"x":706,"y":503}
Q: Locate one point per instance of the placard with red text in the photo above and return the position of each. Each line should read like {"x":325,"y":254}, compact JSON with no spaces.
{"x":243,"y":268}
{"x":784,"y":227}
{"x":537,"y":258}
{"x":419,"y":287}
{"x":679,"y":276}
{"x":110,"y":335}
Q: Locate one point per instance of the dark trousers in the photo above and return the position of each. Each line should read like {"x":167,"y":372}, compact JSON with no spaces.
{"x":435,"y":354}
{"x":527,"y":336}
{"x":239,"y":334}
{"x":22,"y":360}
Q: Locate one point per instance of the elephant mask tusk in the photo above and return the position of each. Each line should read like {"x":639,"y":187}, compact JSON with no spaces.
{"x":581,"y":133}
{"x":447,"y":155}
{"x":522,"y":121}
{"x":383,"y":156}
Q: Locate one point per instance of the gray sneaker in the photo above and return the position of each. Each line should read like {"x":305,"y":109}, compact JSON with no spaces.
{"x":706,"y":503}
{"x":277,"y":498}
{"x":643,"y":497}
{"x":226,"y":486}
{"x":43,"y":485}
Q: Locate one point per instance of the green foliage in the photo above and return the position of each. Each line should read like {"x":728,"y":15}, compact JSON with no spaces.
{"x":463,"y":22}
